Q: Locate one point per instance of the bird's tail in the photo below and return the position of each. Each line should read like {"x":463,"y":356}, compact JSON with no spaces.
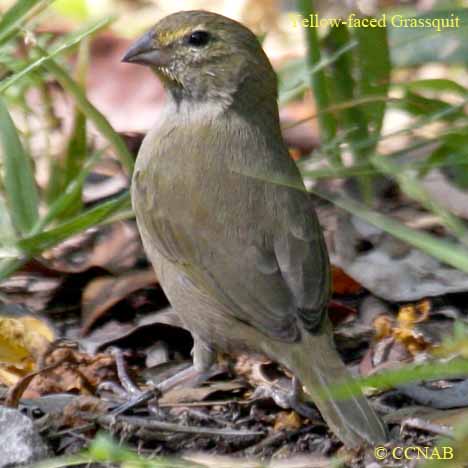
{"x":318,"y":366}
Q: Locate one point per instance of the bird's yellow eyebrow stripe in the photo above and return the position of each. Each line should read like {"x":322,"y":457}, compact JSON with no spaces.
{"x":166,"y":37}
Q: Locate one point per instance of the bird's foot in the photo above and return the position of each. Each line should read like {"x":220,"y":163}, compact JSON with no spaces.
{"x":297,"y":403}
{"x":133,"y":396}
{"x":126,"y":389}
{"x":287,"y":394}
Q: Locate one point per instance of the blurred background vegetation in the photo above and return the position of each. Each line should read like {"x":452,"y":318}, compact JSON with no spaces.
{"x":375,"y":117}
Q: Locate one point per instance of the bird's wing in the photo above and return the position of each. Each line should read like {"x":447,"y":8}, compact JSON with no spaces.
{"x":302,"y":257}
{"x":267,"y":281}
{"x":254,"y":246}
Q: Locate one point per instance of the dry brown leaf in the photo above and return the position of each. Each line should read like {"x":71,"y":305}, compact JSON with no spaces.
{"x":103,"y":293}
{"x":115,"y":248}
{"x":33,"y":287}
{"x":287,"y":421}
{"x":17,"y":390}
{"x":383,"y":326}
{"x":343,"y":283}
{"x":23,"y":340}
{"x":404,"y":330}
{"x":76,"y":372}
{"x":340,"y":313}
{"x":82,"y":404}
{"x":184,"y":394}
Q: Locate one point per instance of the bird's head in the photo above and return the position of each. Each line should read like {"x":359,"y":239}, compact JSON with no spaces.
{"x":204,"y":56}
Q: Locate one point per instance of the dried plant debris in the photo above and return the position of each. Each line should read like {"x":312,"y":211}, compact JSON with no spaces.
{"x":32,"y":288}
{"x":63,"y":368}
{"x":24,"y":339}
{"x":389,"y":268}
{"x":104,"y":292}
{"x":114,"y":248}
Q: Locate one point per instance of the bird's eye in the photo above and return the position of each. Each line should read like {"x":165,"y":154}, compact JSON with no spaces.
{"x":198,"y":38}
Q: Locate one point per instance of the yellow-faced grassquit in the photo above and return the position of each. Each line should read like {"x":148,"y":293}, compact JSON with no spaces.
{"x":240,"y":256}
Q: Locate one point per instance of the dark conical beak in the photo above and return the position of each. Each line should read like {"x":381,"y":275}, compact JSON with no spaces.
{"x":145,"y":52}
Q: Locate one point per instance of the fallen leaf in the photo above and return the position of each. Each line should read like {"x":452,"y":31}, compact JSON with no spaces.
{"x":343,"y":283}
{"x":163,"y":324}
{"x":104,"y":292}
{"x":82,"y":404}
{"x":339,"y":312}
{"x":76,"y":372}
{"x":32,"y":287}
{"x":389,"y":268}
{"x":115,"y":248}
{"x":383,"y":326}
{"x":406,"y":332}
{"x":287,"y":421}
{"x":185,"y":395}
{"x":23,"y":341}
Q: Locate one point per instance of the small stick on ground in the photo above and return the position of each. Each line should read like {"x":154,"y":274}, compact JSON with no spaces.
{"x":146,"y":423}
{"x":432,"y":428}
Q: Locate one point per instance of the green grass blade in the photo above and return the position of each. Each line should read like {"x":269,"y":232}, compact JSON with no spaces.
{"x":318,"y":81}
{"x":77,"y":144}
{"x":344,"y":88}
{"x":408,"y":181}
{"x":32,"y":245}
{"x":20,"y":185}
{"x":16,"y":16}
{"x":373,"y":72}
{"x":445,"y":251}
{"x":92,"y":113}
{"x":69,"y":41}
{"x":436,"y":85}
{"x":421,"y":122}
{"x":77,"y":149}
{"x":288,"y":93}
{"x":67,"y":199}
{"x":7,"y":232}
{"x":9,"y":265}
{"x":409,"y":373}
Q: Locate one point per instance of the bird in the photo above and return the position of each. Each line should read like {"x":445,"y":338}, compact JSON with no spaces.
{"x":225,"y":219}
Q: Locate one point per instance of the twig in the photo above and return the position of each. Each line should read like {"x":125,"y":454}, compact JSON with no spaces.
{"x":195,"y":404}
{"x":424,"y":425}
{"x":272,"y":439}
{"x":147,"y":423}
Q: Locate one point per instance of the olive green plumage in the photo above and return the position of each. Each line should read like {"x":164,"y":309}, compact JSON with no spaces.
{"x":241,"y":258}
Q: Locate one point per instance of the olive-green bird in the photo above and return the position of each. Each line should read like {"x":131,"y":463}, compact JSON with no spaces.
{"x":240,"y":256}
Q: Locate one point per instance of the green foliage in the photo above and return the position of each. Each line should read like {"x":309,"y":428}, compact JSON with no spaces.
{"x":91,"y":113}
{"x":352,"y":99}
{"x":447,"y":252}
{"x":391,"y":378}
{"x":36,"y":243}
{"x":357,"y":84}
{"x":32,"y":219}
{"x":17,"y":15}
{"x":20,"y":187}
{"x":417,"y":46}
{"x":318,"y":81}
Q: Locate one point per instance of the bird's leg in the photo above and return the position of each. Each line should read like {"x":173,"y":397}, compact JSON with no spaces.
{"x":296,"y":401}
{"x":126,"y":388}
{"x":122,"y":373}
{"x":125,"y":385}
{"x":198,"y":372}
{"x":203,"y":359}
